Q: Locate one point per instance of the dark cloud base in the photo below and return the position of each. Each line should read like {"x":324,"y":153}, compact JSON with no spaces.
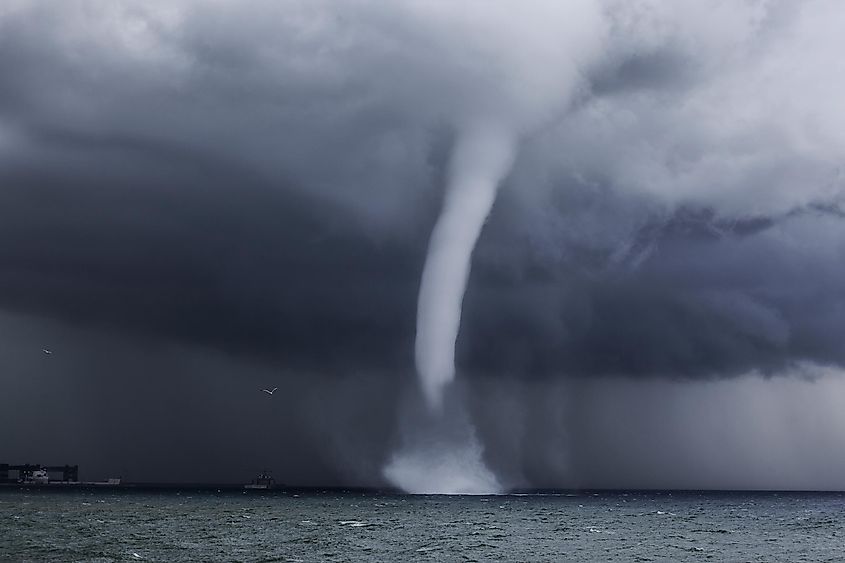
{"x":207,"y":255}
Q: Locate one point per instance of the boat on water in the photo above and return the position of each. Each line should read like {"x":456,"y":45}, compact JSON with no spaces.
{"x":263,"y":481}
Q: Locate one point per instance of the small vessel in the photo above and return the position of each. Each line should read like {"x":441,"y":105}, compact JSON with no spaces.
{"x":263,"y":481}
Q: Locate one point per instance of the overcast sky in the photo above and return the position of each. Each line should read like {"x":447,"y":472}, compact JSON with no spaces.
{"x":200,"y":199}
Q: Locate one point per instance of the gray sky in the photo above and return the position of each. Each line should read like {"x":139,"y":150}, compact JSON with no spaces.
{"x":201,"y":199}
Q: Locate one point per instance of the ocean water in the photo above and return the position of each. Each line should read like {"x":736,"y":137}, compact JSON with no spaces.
{"x":44,"y":525}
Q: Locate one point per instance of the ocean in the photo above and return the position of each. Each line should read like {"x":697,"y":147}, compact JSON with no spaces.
{"x":195,"y":525}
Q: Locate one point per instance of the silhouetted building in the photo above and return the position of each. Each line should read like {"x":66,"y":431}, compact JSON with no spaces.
{"x":29,"y":473}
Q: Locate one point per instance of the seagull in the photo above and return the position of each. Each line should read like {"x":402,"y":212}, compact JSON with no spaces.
{"x":270,"y":391}
{"x":46,"y":351}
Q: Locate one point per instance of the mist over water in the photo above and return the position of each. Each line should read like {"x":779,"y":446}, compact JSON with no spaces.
{"x":440,"y":452}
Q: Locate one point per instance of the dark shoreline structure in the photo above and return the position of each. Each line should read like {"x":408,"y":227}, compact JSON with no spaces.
{"x":70,"y":473}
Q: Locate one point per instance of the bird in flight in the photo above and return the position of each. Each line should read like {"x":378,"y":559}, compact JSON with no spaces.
{"x":270,"y":391}
{"x":46,"y":351}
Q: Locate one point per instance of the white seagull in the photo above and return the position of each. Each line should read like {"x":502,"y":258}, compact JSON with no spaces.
{"x":269,"y":391}
{"x":46,"y":351}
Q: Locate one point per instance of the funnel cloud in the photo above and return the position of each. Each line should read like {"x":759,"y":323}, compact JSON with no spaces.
{"x":480,"y":160}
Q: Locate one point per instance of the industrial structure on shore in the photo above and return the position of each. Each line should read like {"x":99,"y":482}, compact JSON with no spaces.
{"x":33,"y":475}
{"x":38,"y":474}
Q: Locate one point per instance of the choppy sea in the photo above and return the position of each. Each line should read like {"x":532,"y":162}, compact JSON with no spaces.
{"x":186,"y":525}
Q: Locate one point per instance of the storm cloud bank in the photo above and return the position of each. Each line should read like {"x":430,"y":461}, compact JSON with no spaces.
{"x":261,"y":182}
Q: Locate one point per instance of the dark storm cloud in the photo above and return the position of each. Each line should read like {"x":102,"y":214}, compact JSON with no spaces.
{"x":194,"y":183}
{"x":170,"y":252}
{"x":260,"y":184}
{"x":700,"y":303}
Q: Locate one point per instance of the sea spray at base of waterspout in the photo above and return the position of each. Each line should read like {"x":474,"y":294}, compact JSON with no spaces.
{"x":446,"y":469}
{"x":440,"y":453}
